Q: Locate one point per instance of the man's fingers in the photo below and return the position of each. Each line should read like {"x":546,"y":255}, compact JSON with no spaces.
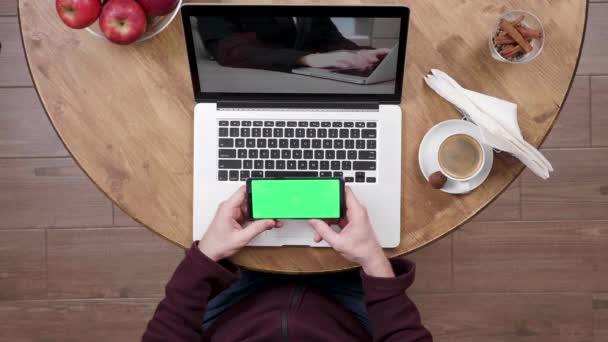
{"x":257,"y":227}
{"x":369,"y":57}
{"x":244,"y":210}
{"x":324,"y":231}
{"x":317,"y":237}
{"x":331,"y":221}
{"x":343,"y":222}
{"x":361,"y":62}
{"x":353,"y":60}
{"x":237,"y":214}
{"x":381,"y":51}
{"x":344,"y":63}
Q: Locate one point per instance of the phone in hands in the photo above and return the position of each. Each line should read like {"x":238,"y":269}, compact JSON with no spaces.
{"x":295,"y":198}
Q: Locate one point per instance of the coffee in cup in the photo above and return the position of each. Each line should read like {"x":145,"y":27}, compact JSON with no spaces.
{"x":460,"y":157}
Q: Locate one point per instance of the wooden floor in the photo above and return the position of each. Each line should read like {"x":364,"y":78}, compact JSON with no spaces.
{"x":533,"y":267}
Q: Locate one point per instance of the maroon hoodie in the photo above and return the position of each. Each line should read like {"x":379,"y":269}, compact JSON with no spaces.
{"x":281,"y":313}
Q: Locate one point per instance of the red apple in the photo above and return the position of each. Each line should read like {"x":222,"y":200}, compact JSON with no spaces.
{"x":78,"y":13}
{"x":122,"y":21}
{"x":158,"y":7}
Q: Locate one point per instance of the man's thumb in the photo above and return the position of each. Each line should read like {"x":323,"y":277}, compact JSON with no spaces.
{"x":257,"y":227}
{"x":324,"y":230}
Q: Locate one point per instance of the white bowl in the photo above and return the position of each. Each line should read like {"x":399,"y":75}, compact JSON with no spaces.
{"x":155,"y":25}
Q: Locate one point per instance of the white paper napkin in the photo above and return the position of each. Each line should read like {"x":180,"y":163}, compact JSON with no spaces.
{"x":496,"y":118}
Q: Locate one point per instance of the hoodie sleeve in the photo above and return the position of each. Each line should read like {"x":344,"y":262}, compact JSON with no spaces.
{"x":393,"y":315}
{"x":179,"y":315}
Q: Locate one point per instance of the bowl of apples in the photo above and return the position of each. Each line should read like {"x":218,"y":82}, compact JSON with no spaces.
{"x":119,"y":21}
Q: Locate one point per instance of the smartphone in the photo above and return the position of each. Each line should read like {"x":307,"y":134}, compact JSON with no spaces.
{"x":295,"y":198}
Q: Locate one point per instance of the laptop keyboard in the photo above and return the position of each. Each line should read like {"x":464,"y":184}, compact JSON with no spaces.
{"x":277,"y":148}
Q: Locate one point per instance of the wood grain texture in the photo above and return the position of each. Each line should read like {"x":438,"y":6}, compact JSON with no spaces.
{"x":496,"y":317}
{"x":572,"y":128}
{"x":8,"y":7}
{"x":577,"y":190}
{"x":24,"y":127}
{"x":13,"y":68}
{"x":599,"y":110}
{"x":558,"y":256}
{"x":49,"y":193}
{"x":75,"y":320}
{"x":600,"y":317}
{"x":433,"y":267}
{"x":122,"y":219}
{"x":109,"y":263}
{"x":593,"y":57}
{"x":138,"y":144}
{"x":22,"y":264}
{"x":507,"y":207}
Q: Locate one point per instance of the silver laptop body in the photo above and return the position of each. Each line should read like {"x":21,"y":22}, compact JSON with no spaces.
{"x":251,"y":122}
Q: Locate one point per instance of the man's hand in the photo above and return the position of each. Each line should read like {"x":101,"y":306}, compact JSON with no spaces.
{"x":226,"y":235}
{"x":342,"y":60}
{"x":374,"y":56}
{"x":356,"y":241}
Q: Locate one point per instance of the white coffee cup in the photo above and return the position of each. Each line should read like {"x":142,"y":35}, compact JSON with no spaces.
{"x":461,"y":157}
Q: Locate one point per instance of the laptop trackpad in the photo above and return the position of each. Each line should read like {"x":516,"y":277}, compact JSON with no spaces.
{"x":294,"y":228}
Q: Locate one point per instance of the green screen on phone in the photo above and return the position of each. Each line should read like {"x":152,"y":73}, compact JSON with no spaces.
{"x":295,"y":198}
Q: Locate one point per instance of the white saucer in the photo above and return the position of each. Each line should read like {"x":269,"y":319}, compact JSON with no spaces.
{"x":429,"y":146}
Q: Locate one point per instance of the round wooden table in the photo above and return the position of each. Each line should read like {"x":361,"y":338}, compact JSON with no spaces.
{"x":125,"y":113}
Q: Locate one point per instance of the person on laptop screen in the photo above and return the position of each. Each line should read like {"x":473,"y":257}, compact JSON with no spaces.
{"x":284,"y":43}
{"x":209,"y":299}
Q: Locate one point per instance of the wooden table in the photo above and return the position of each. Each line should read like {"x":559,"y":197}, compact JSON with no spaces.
{"x":125,"y":113}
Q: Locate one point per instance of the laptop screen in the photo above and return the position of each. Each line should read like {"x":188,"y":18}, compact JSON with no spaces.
{"x":296,"y":52}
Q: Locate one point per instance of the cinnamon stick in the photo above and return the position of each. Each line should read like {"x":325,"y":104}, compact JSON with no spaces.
{"x":512,"y":31}
{"x":527,"y":32}
{"x":512,"y":51}
{"x":508,"y":41}
{"x":504,"y":48}
{"x":502,"y":40}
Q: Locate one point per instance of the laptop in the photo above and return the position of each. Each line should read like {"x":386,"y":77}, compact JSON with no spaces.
{"x":384,"y":71}
{"x":255,"y":118}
